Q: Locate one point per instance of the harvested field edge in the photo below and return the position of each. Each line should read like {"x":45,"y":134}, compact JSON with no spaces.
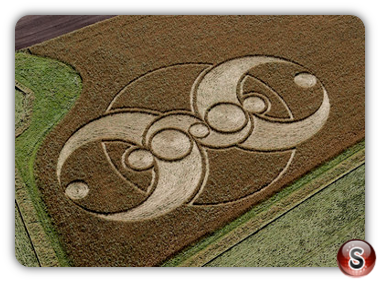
{"x":263,"y":214}
{"x":42,"y":249}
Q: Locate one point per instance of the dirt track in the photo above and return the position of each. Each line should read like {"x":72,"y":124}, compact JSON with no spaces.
{"x":31,"y":30}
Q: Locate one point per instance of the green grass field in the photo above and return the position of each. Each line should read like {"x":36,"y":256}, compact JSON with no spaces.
{"x":19,"y":108}
{"x":25,"y":253}
{"x":56,"y":87}
{"x":311,"y":233}
{"x":267,"y":212}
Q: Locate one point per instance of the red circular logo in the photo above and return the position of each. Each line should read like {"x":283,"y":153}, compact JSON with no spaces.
{"x":356,"y":258}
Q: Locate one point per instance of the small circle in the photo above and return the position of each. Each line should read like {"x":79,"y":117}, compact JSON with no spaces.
{"x":77,"y":190}
{"x":305,"y":80}
{"x":199,"y":130}
{"x":140,"y":159}
{"x":356,"y":258}
{"x":226,"y":117}
{"x":171,"y":144}
{"x":254,"y":104}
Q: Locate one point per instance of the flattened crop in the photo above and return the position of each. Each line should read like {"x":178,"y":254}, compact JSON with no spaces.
{"x":185,"y":123}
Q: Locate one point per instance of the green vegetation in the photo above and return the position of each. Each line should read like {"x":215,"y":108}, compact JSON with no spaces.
{"x":23,"y":247}
{"x":311,"y":233}
{"x":265,"y":207}
{"x":19,"y":108}
{"x":56,"y":87}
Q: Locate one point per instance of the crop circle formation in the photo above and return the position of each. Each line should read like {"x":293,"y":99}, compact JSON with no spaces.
{"x":174,"y":144}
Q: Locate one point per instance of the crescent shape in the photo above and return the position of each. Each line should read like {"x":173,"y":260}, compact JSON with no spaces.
{"x":177,"y":183}
{"x":126,"y":126}
{"x":271,"y":136}
{"x":220,"y":85}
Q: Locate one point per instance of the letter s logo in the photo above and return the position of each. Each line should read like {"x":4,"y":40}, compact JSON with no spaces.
{"x":356,"y":261}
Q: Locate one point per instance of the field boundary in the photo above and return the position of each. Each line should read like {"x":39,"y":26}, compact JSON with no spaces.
{"x":44,"y":238}
{"x":29,"y":97}
{"x":111,"y":55}
{"x":44,"y":252}
{"x":267,"y":212}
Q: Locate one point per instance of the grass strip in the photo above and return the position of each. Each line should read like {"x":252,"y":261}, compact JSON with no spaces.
{"x":309,"y":234}
{"x":260,"y":215}
{"x":55,"y":86}
{"x":24,"y":250}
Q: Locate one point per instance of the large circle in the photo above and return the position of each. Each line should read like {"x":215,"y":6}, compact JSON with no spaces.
{"x":226,"y":117}
{"x":171,"y":144}
{"x":122,"y":101}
